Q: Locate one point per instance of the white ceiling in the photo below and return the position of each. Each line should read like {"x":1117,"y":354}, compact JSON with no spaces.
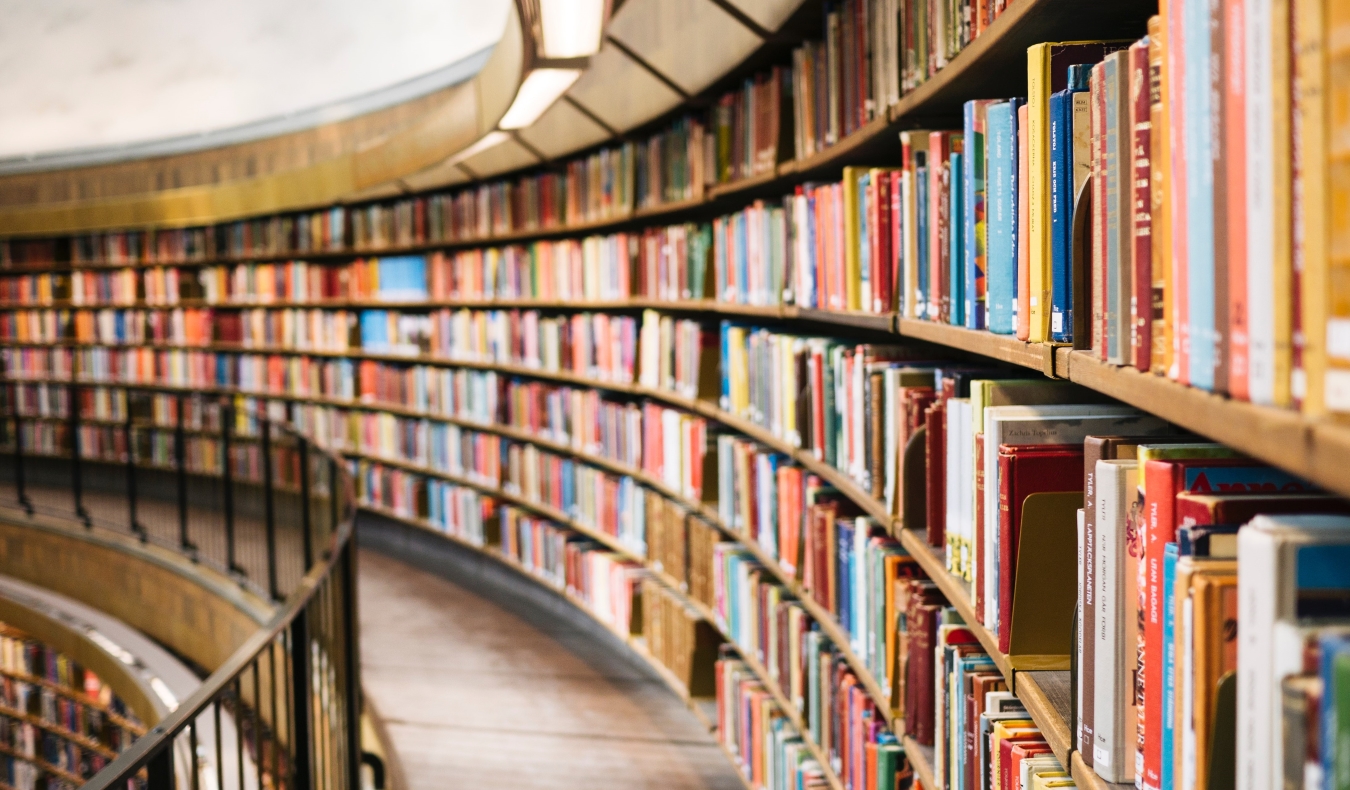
{"x":81,"y":74}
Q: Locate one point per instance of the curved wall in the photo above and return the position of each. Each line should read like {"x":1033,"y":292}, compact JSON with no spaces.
{"x":197,"y":613}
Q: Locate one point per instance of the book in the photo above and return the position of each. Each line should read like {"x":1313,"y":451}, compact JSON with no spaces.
{"x":1001,"y":216}
{"x":1025,"y":470}
{"x":1271,"y":591}
{"x":1047,"y":74}
{"x":1063,"y":137}
{"x":1115,"y":628}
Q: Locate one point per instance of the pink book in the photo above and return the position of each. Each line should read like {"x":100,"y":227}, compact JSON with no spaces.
{"x":1173,"y":63}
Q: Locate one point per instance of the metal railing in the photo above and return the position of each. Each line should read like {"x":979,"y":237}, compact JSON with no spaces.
{"x":243,"y":494}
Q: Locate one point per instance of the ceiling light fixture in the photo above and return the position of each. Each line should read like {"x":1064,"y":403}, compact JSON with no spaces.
{"x":537,"y":93}
{"x":571,"y":28}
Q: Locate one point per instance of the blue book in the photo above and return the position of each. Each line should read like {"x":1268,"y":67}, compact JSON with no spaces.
{"x":974,"y":222}
{"x":1199,"y":145}
{"x":375,"y":330}
{"x":742,"y":260}
{"x":1169,"y":689}
{"x":403,"y":278}
{"x":955,"y":257}
{"x":923,"y":295}
{"x":1001,"y":217}
{"x":843,"y":532}
{"x":1062,"y":204}
{"x":864,"y":246}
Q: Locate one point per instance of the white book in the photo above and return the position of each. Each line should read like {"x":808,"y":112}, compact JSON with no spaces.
{"x":1035,"y":765}
{"x":1045,"y":424}
{"x":1080,"y":620}
{"x":1260,"y":135}
{"x":1267,"y":594}
{"x":1115,"y":717}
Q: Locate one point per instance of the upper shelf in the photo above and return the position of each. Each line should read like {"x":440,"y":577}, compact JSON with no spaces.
{"x":993,"y":65}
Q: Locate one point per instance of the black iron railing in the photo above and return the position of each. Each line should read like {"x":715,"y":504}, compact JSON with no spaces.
{"x":240,"y":493}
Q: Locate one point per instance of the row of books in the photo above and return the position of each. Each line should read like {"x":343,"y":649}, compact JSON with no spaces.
{"x":56,"y":714}
{"x":1042,"y":437}
{"x":680,"y":545}
{"x":869,"y":53}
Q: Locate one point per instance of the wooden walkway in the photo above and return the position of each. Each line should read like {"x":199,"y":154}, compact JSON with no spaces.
{"x":481,"y":689}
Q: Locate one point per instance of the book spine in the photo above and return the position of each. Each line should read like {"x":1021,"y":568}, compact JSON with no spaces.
{"x":1122,"y":199}
{"x":1007,"y":549}
{"x":1200,"y":217}
{"x":1319,"y":193}
{"x":1001,"y":220}
{"x":1141,"y":301}
{"x":1098,"y":271}
{"x":967,"y":215}
{"x":1115,"y":169}
{"x":1022,"y":315}
{"x":1235,"y":178}
{"x":956,"y":274}
{"x":1263,"y":154}
{"x":1061,"y":183}
{"x":1159,"y":187}
{"x":1038,"y":197}
{"x":1175,"y":63}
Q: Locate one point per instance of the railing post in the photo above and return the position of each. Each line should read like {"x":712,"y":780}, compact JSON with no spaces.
{"x":227,"y":478}
{"x":269,"y":510}
{"x":128,"y":434}
{"x":300,"y":702}
{"x":159,"y":771}
{"x":180,"y":461}
{"x":19,"y":479}
{"x":352,"y":647}
{"x":333,"y":494}
{"x":76,"y":468}
{"x":306,"y":539}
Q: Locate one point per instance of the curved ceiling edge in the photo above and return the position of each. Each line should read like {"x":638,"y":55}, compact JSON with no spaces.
{"x":414,"y":136}
{"x":300,"y":120}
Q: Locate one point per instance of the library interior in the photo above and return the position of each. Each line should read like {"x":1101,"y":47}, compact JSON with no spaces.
{"x":675,"y":394}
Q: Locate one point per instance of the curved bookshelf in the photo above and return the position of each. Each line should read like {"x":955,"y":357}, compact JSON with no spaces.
{"x":1048,"y":717}
{"x":993,"y":64}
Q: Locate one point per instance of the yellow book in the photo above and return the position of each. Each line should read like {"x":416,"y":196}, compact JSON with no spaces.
{"x":1321,"y":93}
{"x":1038,"y":188}
{"x":1282,"y":197}
{"x":1312,"y":220}
{"x":852,"y":238}
{"x":1047,"y":71}
{"x":1336,"y":389}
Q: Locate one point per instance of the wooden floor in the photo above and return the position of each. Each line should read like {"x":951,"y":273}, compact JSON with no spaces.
{"x":487,"y":692}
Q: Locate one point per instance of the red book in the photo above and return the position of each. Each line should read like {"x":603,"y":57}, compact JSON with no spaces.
{"x":922,"y":620}
{"x":936,"y":417}
{"x":1235,"y":194}
{"x":1237,"y":509}
{"x":941,"y":146}
{"x":1141,"y":318}
{"x":892,"y":261}
{"x":1016,"y":753}
{"x":1008,"y":778}
{"x":1025,"y":470}
{"x":1162,"y":482}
